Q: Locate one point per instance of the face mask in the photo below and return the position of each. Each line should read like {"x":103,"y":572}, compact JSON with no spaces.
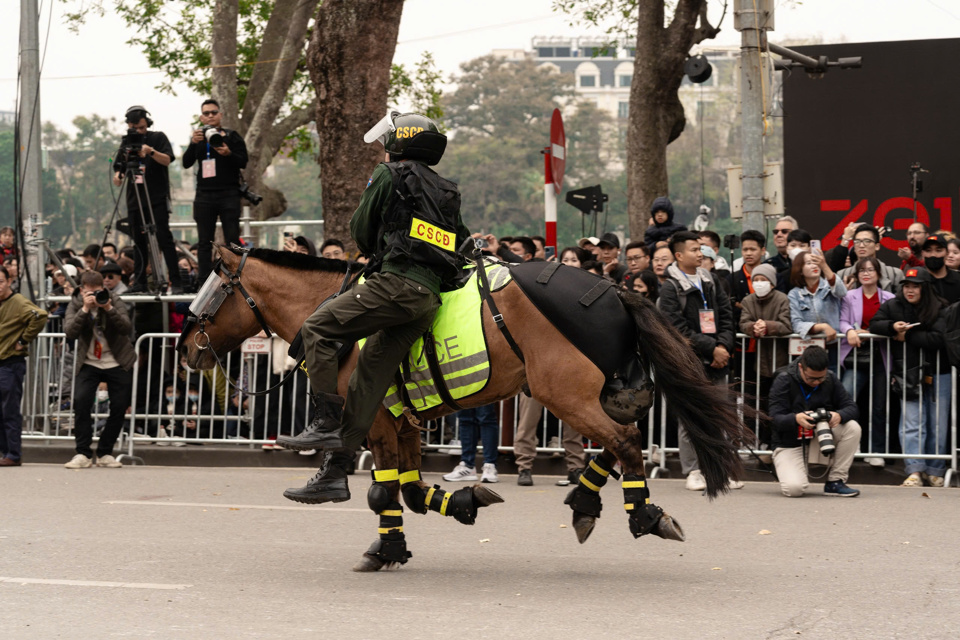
{"x":102,"y":395}
{"x":793,"y":253}
{"x":193,"y":397}
{"x":933,"y":263}
{"x":762,"y":288}
{"x":171,"y":398}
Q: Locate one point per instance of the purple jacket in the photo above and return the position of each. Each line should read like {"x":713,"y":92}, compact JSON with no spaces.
{"x":851,"y":316}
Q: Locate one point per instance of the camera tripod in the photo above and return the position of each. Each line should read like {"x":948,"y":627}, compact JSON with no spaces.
{"x":148,"y":226}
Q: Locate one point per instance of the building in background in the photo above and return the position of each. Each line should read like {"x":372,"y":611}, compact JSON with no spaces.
{"x":604,"y":75}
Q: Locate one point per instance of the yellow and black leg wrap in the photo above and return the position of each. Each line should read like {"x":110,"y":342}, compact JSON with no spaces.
{"x":460,"y":504}
{"x":585,"y":497}
{"x":413,"y":494}
{"x":391,"y":546}
{"x":644,"y":516}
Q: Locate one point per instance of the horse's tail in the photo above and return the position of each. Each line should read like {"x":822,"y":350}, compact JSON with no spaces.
{"x":709,"y":413}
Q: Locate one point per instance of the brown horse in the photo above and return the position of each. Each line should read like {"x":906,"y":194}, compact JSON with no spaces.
{"x":287,"y":287}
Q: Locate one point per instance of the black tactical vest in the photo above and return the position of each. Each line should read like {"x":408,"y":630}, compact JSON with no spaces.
{"x":420,"y":223}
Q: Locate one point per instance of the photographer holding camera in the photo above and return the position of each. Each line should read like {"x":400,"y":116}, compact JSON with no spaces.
{"x":148,"y":155}
{"x":99,"y":322}
{"x":810,"y":408}
{"x":221,"y":154}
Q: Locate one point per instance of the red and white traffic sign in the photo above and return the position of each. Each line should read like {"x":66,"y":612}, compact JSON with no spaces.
{"x":554,"y":161}
{"x":558,"y":149}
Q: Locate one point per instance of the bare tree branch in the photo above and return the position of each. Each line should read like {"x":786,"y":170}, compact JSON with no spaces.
{"x":278,"y":132}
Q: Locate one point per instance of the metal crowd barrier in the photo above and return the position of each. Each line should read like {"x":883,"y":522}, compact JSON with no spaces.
{"x":161,"y":413}
{"x":751,"y":379}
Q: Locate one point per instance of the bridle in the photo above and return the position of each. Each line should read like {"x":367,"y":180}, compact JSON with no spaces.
{"x":207,"y":305}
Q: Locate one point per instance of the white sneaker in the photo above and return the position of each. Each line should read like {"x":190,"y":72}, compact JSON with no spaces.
{"x":79,"y":461}
{"x":108,"y":461}
{"x":162,"y":435}
{"x":554,"y":443}
{"x":696,"y":481}
{"x":655,"y":455}
{"x":461,"y":473}
{"x":735,"y":484}
{"x":489,"y":473}
{"x":308,"y":452}
{"x":453,"y":449}
{"x":875,"y":462}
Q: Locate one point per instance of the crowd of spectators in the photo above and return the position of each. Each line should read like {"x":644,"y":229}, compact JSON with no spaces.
{"x":841,"y":300}
{"x":844,"y":301}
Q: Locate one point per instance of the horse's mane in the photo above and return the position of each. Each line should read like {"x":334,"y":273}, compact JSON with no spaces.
{"x":294,"y":260}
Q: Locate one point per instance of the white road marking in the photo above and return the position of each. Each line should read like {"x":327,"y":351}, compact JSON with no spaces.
{"x":97,"y":583}
{"x":211,"y":505}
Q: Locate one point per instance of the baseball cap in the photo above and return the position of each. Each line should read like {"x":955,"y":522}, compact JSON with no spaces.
{"x":68,"y":269}
{"x":918,"y":276}
{"x":609,"y":238}
{"x":109,"y":267}
{"x":591,"y":239}
{"x":937,"y":239}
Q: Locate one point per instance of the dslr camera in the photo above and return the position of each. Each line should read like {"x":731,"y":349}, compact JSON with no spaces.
{"x":129,"y":153}
{"x":102,"y":296}
{"x":212,"y":135}
{"x":250,"y":196}
{"x":731,"y":241}
{"x":821,"y":431}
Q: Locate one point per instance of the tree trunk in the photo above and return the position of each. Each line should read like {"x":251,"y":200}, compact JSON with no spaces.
{"x":349,"y":59}
{"x":223,"y":58}
{"x":656,"y":114}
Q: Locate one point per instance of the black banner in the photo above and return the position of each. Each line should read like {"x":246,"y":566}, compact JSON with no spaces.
{"x":851,"y":137}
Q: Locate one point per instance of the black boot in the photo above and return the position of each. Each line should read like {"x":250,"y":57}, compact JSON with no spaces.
{"x":324,"y":431}
{"x":328,"y":485}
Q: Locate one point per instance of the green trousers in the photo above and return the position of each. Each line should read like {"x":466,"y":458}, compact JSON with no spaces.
{"x":390,"y":310}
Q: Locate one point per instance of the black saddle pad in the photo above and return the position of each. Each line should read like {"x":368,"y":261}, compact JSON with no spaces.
{"x":584,"y":307}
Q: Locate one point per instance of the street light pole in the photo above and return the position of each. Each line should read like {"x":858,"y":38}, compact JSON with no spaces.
{"x":751,"y":17}
{"x":30,"y":152}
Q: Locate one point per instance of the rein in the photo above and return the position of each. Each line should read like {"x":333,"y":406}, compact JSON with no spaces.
{"x":233,"y":282}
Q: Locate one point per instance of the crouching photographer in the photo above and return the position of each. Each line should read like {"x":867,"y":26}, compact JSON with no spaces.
{"x":815,"y":421}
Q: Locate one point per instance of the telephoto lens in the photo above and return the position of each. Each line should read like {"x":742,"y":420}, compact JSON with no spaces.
{"x":825,"y":438}
{"x":214,"y":137}
{"x":102,"y":296}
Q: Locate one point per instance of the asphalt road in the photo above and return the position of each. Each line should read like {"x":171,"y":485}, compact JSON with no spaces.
{"x":166,"y":552}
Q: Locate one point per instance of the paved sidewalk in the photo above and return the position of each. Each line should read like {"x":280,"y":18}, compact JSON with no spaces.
{"x":166,"y":552}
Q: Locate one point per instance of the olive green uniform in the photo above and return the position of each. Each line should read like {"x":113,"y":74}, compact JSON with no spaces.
{"x":393,"y":308}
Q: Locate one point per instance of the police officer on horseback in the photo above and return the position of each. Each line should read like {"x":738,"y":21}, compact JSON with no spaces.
{"x":408,"y":224}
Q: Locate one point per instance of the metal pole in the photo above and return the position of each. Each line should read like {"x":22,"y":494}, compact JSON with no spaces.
{"x":30,"y":152}
{"x":752,"y":22}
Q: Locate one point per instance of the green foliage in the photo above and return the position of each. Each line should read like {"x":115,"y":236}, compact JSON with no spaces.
{"x":82,"y":164}
{"x":49,"y":189}
{"x":617,"y":18}
{"x":175,"y":38}
{"x":420,"y":87}
{"x":499,"y":121}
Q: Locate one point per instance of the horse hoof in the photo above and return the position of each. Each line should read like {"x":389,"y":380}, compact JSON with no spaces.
{"x":583,"y":525}
{"x":484,"y":497}
{"x":369,"y":563}
{"x":670,"y":529}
